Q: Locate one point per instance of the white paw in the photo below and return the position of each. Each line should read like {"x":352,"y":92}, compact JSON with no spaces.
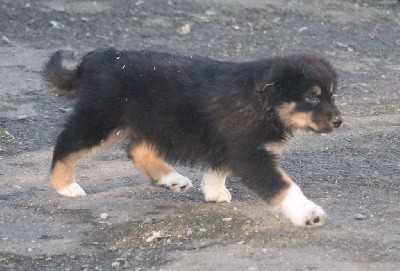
{"x":223,"y":195}
{"x":175,"y":182}
{"x":72,"y":191}
{"x":300,"y":210}
{"x":213,"y":186}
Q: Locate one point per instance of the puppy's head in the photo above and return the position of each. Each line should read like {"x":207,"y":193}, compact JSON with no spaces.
{"x":305,"y":86}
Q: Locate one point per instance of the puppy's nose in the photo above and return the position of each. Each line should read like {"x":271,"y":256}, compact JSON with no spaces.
{"x":337,"y":121}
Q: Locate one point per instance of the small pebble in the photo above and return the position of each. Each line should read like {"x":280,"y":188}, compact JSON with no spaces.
{"x":66,"y":110}
{"x":185,"y":29}
{"x":360,"y":217}
{"x":5,"y":39}
{"x":56,"y":24}
{"x":138,"y":3}
{"x":227,"y":219}
{"x":211,"y":12}
{"x":87,"y":267}
{"x":21,"y":118}
{"x":59,"y":9}
{"x":155,"y":236}
{"x":103,"y":215}
{"x":113,"y":248}
{"x":115,"y":264}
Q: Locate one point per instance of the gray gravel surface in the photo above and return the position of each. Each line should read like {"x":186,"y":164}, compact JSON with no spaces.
{"x":353,"y":173}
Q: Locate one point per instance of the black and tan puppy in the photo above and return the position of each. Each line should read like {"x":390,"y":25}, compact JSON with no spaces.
{"x":231,"y":118}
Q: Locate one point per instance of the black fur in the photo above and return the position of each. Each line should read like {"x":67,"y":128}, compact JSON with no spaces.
{"x":194,"y":110}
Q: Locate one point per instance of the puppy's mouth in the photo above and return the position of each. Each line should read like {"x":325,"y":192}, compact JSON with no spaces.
{"x":308,"y":120}
{"x":326,"y":127}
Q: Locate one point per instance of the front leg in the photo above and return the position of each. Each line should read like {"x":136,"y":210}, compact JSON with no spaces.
{"x":294,"y":205}
{"x":213,"y":186}
{"x":261,"y":173}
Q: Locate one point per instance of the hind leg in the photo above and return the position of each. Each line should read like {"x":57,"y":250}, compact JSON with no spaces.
{"x":75,"y":142}
{"x":147,"y":160}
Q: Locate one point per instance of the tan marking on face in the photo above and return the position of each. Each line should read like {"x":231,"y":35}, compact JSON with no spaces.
{"x":147,"y":160}
{"x":317,"y":90}
{"x":295,"y":119}
{"x":62,"y":174}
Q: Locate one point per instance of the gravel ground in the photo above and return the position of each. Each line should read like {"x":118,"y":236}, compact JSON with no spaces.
{"x":353,"y":173}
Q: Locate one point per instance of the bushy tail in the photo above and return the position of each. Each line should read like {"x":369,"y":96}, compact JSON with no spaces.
{"x":57,"y":75}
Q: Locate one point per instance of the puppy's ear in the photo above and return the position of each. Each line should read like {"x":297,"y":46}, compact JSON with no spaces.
{"x":263,"y":87}
{"x":287,"y":76}
{"x":263,"y":90}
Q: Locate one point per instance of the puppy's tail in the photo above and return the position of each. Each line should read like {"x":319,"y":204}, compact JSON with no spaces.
{"x":60,"y":77}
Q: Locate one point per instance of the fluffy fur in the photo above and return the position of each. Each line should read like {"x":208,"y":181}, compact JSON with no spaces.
{"x":228,"y":117}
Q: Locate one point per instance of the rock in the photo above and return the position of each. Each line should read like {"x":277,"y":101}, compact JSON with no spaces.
{"x":301,"y":29}
{"x":211,"y":12}
{"x":115,"y":264}
{"x":6,"y":40}
{"x":148,"y":220}
{"x":360,"y":217}
{"x":21,"y":118}
{"x":113,"y":248}
{"x":66,"y":110}
{"x":185,"y":29}
{"x":344,"y":46}
{"x":87,"y":267}
{"x":227,"y":219}
{"x":155,"y":236}
{"x":103,"y":215}
{"x":56,"y":24}
{"x":138,"y":3}
{"x":59,"y":9}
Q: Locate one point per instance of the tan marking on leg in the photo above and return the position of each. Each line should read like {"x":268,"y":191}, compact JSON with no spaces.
{"x":62,"y":174}
{"x":282,"y":195}
{"x":146,"y":159}
{"x":317,"y":90}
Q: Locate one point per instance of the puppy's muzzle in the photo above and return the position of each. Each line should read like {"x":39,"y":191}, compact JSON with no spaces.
{"x":337,"y":121}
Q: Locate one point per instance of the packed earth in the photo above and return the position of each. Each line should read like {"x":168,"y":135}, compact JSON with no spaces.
{"x":125,"y":223}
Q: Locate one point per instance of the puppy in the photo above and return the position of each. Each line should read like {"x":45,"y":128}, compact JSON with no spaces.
{"x":230,"y":118}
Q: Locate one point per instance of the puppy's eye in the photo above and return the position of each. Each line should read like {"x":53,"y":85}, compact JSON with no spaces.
{"x":311,"y":99}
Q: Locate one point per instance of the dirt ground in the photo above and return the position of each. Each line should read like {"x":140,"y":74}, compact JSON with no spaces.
{"x":354,"y":173}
